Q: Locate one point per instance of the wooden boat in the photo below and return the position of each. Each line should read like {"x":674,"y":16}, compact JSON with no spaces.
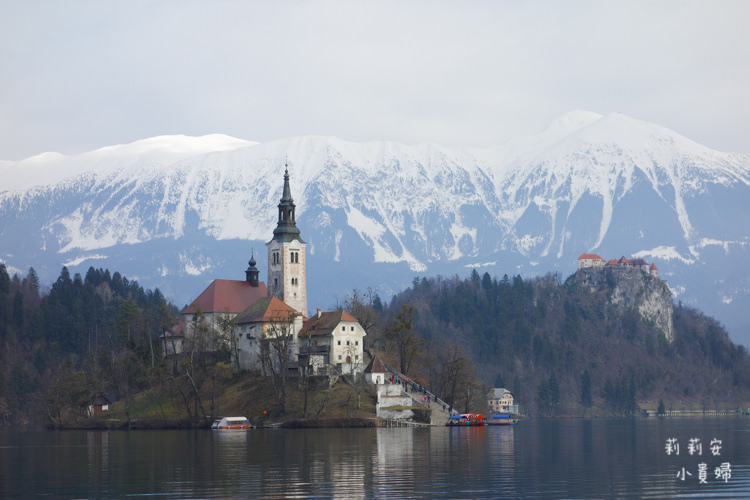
{"x":502,"y":419}
{"x":466,"y":420}
{"x":232,"y":423}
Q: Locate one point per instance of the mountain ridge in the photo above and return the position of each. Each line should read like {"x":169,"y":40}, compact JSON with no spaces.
{"x":533,"y":203}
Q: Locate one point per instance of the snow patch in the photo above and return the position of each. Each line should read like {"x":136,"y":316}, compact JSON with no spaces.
{"x":337,"y":243}
{"x":663,"y":253}
{"x":193,"y":268}
{"x":83,"y":258}
{"x":458,"y":231}
{"x":477,"y":265}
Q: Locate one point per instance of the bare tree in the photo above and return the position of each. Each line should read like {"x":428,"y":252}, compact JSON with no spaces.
{"x":276,"y":352}
{"x":307,"y":368}
{"x":401,"y":333}
{"x":197,"y":345}
{"x":452,"y":375}
{"x":351,"y":352}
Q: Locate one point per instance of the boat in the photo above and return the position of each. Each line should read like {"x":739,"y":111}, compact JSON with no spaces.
{"x":466,"y":420}
{"x":232,"y":423}
{"x":502,"y":419}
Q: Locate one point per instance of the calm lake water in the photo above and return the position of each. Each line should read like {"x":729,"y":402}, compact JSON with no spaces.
{"x":607,"y":458}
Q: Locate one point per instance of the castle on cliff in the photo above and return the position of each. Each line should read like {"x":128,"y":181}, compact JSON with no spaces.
{"x":591,"y":260}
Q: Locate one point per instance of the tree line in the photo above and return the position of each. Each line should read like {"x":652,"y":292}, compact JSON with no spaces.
{"x":86,"y":337}
{"x":558,"y":347}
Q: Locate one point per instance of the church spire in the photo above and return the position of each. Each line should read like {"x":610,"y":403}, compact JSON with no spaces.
{"x":287,"y":278}
{"x":286,"y":228}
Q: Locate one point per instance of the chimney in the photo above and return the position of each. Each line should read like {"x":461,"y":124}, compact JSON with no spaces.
{"x":319,"y":313}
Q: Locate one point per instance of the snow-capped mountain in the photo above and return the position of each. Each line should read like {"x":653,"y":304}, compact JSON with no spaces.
{"x":176,"y":212}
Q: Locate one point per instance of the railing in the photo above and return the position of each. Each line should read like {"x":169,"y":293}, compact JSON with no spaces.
{"x":403,"y":423}
{"x":691,"y":413}
{"x":432,"y":398}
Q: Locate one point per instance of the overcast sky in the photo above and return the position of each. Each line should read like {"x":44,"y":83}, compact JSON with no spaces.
{"x":78,"y":75}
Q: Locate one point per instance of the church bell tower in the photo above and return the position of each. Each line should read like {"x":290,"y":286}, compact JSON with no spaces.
{"x":286,"y":256}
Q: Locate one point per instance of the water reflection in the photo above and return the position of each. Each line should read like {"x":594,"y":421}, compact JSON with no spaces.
{"x":537,"y":459}
{"x":97,"y":448}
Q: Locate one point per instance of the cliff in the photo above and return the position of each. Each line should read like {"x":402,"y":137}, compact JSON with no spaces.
{"x":631,"y":289}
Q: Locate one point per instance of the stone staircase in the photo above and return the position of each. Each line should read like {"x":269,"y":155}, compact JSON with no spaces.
{"x":400,"y":395}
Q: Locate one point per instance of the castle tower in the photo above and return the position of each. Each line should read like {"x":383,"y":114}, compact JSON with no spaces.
{"x":286,"y":256}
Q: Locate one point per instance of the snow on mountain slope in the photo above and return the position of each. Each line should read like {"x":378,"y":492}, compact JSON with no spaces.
{"x":604,"y":159}
{"x":136,"y":159}
{"x":171,"y":206}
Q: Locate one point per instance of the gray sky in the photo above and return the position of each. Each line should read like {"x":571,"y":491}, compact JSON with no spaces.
{"x":78,"y":75}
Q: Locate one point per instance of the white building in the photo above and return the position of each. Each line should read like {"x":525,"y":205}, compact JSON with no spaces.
{"x":332,"y":338}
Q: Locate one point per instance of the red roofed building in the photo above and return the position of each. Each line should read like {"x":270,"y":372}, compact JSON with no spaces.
{"x":267,"y":318}
{"x":332,"y":338}
{"x":591,"y":260}
{"x":623,"y":262}
{"x":218,"y":304}
{"x":587,"y":260}
{"x":226,"y":296}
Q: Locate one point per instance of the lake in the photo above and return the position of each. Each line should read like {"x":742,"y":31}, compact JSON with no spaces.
{"x":546,"y":458}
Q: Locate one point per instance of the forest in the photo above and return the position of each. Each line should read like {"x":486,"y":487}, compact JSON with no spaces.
{"x":563,"y":350}
{"x":560,"y":349}
{"x":81,"y":339}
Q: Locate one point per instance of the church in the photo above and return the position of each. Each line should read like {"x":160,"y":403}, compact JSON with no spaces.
{"x":243,"y":314}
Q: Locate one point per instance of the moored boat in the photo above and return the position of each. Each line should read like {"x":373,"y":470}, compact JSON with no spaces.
{"x":466,"y":420}
{"x":232,"y":423}
{"x":502,"y":419}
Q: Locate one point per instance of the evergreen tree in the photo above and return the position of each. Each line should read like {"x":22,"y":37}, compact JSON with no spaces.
{"x":661,"y":410}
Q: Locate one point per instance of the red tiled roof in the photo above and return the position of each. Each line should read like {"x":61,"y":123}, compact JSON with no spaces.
{"x":230,"y":296}
{"x":265,"y":310}
{"x":592,"y":256}
{"x":653,"y":267}
{"x":326,"y":323}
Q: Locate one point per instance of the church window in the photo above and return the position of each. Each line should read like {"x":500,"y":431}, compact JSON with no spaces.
{"x":352,"y":328}
{"x":276,"y":281}
{"x":339,"y":342}
{"x":343,"y":328}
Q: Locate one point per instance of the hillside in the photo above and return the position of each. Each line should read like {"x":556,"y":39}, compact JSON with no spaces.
{"x":596,"y":343}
